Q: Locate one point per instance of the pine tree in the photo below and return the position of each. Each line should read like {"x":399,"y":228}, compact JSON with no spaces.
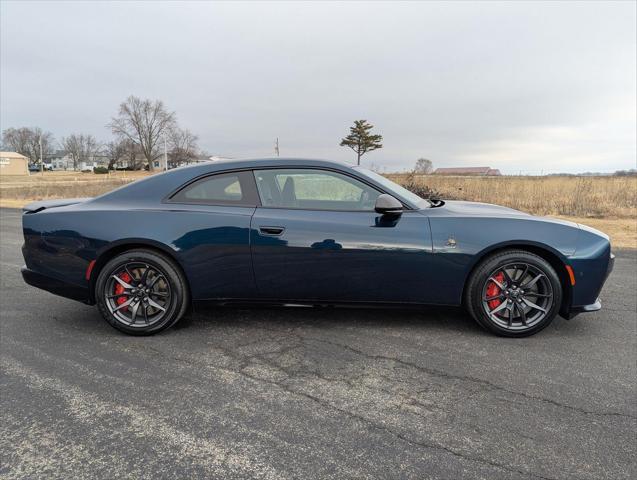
{"x":360,"y":140}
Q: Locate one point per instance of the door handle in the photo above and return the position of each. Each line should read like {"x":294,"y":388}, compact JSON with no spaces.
{"x":271,"y":231}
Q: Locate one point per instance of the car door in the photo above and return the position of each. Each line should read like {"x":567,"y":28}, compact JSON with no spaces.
{"x":210,"y":224}
{"x":316,"y":237}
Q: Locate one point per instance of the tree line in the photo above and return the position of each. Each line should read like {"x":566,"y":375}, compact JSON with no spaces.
{"x":140,"y":128}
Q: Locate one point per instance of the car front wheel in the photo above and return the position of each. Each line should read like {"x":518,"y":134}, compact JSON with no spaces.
{"x":514,"y":293}
{"x":141,"y":292}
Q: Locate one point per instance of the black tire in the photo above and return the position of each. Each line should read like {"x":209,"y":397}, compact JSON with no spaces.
{"x":158,"y":287}
{"x":514,"y":293}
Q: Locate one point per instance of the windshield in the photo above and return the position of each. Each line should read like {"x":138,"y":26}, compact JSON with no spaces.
{"x":394,"y":187}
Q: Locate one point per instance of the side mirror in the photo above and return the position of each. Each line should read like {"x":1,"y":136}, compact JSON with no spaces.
{"x":388,"y":205}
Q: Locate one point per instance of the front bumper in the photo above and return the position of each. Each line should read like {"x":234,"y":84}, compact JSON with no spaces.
{"x":611,"y":265}
{"x":58,"y":287}
{"x":593,"y":307}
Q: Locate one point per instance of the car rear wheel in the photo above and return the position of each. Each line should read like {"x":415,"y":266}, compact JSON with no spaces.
{"x":514,"y":293}
{"x":141,"y":292}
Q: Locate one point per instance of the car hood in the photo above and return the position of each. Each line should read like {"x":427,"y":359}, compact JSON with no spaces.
{"x":476,"y":208}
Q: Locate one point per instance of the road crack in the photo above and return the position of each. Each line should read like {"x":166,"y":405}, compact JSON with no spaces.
{"x":466,"y":378}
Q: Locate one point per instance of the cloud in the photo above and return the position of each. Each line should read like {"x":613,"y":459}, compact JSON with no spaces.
{"x":501,"y":84}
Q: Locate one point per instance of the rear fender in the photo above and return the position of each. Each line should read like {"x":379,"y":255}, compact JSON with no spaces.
{"x":35,"y":207}
{"x":115,"y":248}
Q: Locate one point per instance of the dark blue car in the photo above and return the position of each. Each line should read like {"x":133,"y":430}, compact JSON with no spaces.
{"x":307,"y":232}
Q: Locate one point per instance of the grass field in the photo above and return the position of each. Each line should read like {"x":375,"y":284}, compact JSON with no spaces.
{"x":596,"y":197}
{"x":606,"y":203}
{"x":16,"y":191}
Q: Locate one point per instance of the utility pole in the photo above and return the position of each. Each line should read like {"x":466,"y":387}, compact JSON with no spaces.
{"x":165,"y":154}
{"x":276,"y":147}
{"x":41,"y":160}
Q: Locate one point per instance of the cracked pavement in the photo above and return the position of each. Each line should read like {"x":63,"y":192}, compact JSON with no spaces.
{"x":313,"y":393}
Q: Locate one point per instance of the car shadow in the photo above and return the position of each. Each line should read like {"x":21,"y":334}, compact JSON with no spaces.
{"x":435,"y":318}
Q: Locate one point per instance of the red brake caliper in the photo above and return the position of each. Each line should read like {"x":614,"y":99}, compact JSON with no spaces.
{"x":493,"y":289}
{"x":120,"y":289}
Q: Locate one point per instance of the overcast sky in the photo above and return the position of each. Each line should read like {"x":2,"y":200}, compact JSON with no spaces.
{"x":518,"y":86}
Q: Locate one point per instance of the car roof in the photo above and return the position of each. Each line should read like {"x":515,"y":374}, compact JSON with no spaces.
{"x":156,"y":186}
{"x":230,"y":164}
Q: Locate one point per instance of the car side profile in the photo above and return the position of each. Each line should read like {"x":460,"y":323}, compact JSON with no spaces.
{"x":310,"y":232}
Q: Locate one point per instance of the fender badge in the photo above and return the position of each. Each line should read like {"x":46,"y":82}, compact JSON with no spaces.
{"x":451,"y":242}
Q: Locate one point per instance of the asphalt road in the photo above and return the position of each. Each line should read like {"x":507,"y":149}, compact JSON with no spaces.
{"x":304,"y":393}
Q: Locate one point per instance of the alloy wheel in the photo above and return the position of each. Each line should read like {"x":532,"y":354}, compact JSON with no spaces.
{"x":517,"y":296}
{"x":137,"y":294}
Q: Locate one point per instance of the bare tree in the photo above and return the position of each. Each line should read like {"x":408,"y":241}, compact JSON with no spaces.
{"x":40,"y":144}
{"x":115,"y":150}
{"x":143,"y":122}
{"x":423,"y":166}
{"x":81,"y":148}
{"x":133,"y":155}
{"x":182,"y":147}
{"x":17,"y":139}
{"x":28,"y":142}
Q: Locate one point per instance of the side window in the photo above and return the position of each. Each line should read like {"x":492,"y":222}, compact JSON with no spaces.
{"x":314,"y":190}
{"x":235,"y":188}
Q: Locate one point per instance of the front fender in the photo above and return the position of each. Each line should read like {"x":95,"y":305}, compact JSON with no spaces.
{"x":460,"y":243}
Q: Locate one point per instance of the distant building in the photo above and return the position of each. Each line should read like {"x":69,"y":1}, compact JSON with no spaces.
{"x":186,"y":162}
{"x":12,"y":163}
{"x":95,"y":161}
{"x":59,"y":160}
{"x":477,"y":171}
{"x":160,"y":163}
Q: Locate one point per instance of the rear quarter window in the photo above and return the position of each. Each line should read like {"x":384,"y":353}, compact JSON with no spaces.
{"x":236,"y":188}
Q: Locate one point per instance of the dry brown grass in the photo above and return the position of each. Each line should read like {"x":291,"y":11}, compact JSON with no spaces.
{"x":49,"y":185}
{"x":622,"y":231}
{"x":68,"y":176}
{"x":595,"y":197}
{"x":59,"y":190}
{"x":608,"y":204}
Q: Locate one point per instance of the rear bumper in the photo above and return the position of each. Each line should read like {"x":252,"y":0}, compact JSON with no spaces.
{"x":58,"y":287}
